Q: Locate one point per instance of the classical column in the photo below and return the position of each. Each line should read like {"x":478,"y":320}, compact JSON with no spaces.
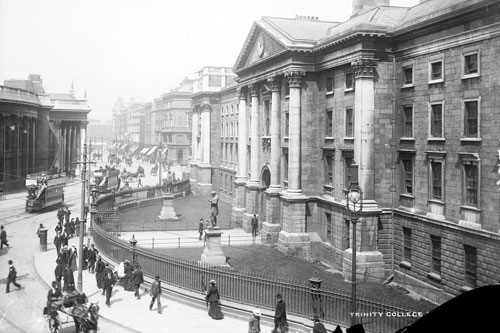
{"x":242,"y":135}
{"x":364,"y":130}
{"x":275,"y":84}
{"x":57,"y":125}
{"x":239,"y":206}
{"x":194,"y":136}
{"x":294,"y":141}
{"x":205,"y":132}
{"x":254,"y":136}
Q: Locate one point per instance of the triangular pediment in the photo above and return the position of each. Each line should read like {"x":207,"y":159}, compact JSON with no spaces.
{"x":258,"y":46}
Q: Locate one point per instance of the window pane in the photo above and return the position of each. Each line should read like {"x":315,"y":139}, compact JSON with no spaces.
{"x":471,"y":182}
{"x":349,"y":84}
{"x":408,"y":121}
{"x":408,"y":75}
{"x":436,"y":68}
{"x":408,"y":176}
{"x":406,"y":243}
{"x":349,"y":123}
{"x":470,"y":64}
{"x":471,"y":119}
{"x":436,"y":254}
{"x":437,"y":121}
{"x":436,"y":180}
{"x":329,"y":84}
{"x":329,"y":123}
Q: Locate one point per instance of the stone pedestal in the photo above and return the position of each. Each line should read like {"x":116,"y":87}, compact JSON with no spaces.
{"x":167,"y":211}
{"x":212,"y":254}
{"x":369,"y":266}
{"x":269,"y":233}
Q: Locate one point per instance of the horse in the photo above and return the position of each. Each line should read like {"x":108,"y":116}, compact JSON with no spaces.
{"x":85,"y":318}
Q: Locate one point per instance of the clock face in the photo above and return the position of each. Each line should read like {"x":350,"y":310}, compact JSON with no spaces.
{"x":260,"y":47}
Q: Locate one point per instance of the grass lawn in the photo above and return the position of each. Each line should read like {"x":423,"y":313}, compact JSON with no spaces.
{"x":264,"y":259}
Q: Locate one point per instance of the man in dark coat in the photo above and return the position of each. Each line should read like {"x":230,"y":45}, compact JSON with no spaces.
{"x":255,"y":225}
{"x":136,"y":280}
{"x":108,"y":283}
{"x":318,"y":325}
{"x":57,"y":243}
{"x":11,"y":278}
{"x":280,"y":315}
{"x":69,"y":279}
{"x":59,"y":272}
{"x":91,"y":258}
{"x":99,"y":272}
{"x":60,"y":215}
{"x":128,"y":272}
{"x":3,"y":237}
{"x":106,"y":272}
{"x":155,"y":293}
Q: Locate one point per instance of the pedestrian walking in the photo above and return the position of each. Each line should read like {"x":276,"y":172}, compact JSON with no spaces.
{"x":254,"y":322}
{"x":38,"y":230}
{"x":11,"y":278}
{"x":201,"y":227}
{"x":107,"y":270}
{"x":280,"y":315}
{"x":139,"y":183}
{"x":318,"y":325}
{"x":255,"y":225}
{"x":67,"y":214}
{"x":60,"y":215}
{"x":69,"y":279}
{"x":155,"y":293}
{"x":91,"y":258}
{"x":136,"y":280}
{"x":75,"y":227}
{"x":213,"y":301}
{"x":57,"y":243}
{"x":128,"y":271}
{"x":99,"y":272}
{"x":3,"y":237}
{"x":108,"y":283}
{"x":59,"y":272}
{"x":73,"y":259}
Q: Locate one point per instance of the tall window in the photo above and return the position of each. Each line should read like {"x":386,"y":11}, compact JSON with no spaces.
{"x":408,"y":121}
{"x":329,"y":123}
{"x":347,"y":167}
{"x":267,"y":122}
{"x":470,"y":64}
{"x":437,"y":180}
{"x":349,"y":123}
{"x":436,"y":120}
{"x":436,"y":254}
{"x":285,"y":166}
{"x":407,"y":75}
{"x":436,"y":71}
{"x":407,"y":244}
{"x":407,"y":175}
{"x":471,"y":119}
{"x":287,"y":89}
{"x":349,"y":81}
{"x":470,"y":266}
{"x":329,"y":227}
{"x":287,"y":123}
{"x":328,"y":167}
{"x":471,"y":181}
{"x":329,"y":85}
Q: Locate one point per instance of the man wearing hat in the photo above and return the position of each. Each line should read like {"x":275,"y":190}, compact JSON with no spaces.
{"x":99,"y":271}
{"x":254,"y":322}
{"x":155,"y":293}
{"x":280,"y":315}
{"x":318,"y":325}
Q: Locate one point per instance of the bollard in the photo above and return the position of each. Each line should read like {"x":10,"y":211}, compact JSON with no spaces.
{"x":43,"y":240}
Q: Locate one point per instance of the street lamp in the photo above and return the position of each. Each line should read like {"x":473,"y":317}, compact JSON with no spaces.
{"x":354,"y":205}
{"x":93,"y":207}
{"x":133,"y":243}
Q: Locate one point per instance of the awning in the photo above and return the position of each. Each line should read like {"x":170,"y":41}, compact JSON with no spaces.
{"x":152,"y":150}
{"x":133,"y":150}
{"x":164,"y":151}
{"x":124,"y":146}
{"x":115,"y":144}
{"x":145,"y":150}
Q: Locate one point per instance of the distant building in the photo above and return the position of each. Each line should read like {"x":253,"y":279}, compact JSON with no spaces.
{"x":39,"y":131}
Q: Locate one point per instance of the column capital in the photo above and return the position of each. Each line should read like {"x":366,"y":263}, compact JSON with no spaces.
{"x":274,"y":82}
{"x":84,"y":124}
{"x":294,"y":78}
{"x":242,"y":92}
{"x":254,"y":89}
{"x":205,"y":107}
{"x":364,"y":67}
{"x":57,"y":124}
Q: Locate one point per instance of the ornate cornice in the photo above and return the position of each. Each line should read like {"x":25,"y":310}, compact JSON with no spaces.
{"x":294,"y":78}
{"x":274,"y":82}
{"x":364,"y":67}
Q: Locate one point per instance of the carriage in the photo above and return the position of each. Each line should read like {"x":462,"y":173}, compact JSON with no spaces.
{"x":44,"y":191}
{"x":72,"y":308}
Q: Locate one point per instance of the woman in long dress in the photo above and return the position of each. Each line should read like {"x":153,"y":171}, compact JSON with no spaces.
{"x":213,"y":299}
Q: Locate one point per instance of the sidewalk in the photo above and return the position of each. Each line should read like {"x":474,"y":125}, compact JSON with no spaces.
{"x":126,"y":310}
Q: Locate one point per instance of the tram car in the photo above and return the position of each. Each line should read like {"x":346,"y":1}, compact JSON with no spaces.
{"x":107,"y":180}
{"x":44,"y":191}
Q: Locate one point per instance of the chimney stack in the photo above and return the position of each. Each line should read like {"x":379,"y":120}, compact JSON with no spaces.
{"x":361,"y":6}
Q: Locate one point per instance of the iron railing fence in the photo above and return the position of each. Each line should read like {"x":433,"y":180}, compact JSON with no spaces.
{"x":257,"y":289}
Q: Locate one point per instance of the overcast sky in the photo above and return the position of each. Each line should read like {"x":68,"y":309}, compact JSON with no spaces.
{"x":127,"y":48}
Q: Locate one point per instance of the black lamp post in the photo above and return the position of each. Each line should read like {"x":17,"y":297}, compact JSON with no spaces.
{"x":93,"y":207}
{"x":354,"y":205}
{"x":133,"y":243}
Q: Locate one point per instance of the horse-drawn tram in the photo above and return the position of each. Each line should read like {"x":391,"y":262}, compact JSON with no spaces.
{"x":44,"y":191}
{"x":107,"y":179}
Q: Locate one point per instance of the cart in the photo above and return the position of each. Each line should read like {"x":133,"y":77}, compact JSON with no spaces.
{"x":72,"y":308}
